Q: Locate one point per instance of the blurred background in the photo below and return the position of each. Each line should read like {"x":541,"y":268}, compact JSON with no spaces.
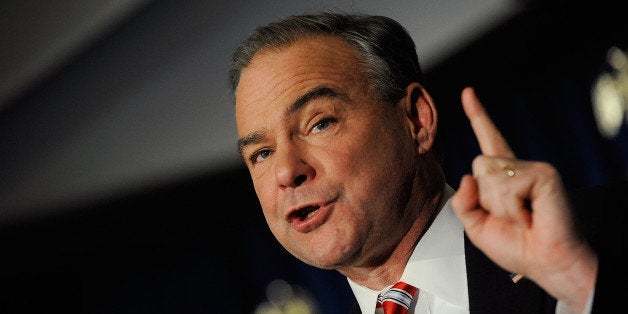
{"x":121,"y":188}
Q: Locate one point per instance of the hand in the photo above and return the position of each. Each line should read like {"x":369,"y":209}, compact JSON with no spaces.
{"x":518,"y":214}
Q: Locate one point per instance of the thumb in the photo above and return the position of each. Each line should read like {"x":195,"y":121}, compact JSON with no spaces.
{"x":465,"y":201}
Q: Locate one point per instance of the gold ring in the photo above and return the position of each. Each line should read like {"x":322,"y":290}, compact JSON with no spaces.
{"x":510,"y":172}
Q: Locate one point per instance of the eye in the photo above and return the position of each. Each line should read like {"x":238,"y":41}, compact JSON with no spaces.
{"x":259,"y":156}
{"x":322,"y":125}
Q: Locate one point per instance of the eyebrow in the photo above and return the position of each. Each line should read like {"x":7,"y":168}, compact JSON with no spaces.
{"x":297,"y":105}
{"x":315,"y":93}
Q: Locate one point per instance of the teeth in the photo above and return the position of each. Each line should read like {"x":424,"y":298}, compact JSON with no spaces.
{"x":311,"y":213}
{"x":306,"y":212}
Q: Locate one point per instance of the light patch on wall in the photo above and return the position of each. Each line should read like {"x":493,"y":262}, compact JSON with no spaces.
{"x":609,"y":94}
{"x":286,"y":298}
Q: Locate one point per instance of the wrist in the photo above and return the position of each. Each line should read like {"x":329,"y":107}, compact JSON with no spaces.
{"x":574,"y":285}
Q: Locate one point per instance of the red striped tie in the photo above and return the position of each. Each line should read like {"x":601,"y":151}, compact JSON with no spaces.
{"x":397,"y":299}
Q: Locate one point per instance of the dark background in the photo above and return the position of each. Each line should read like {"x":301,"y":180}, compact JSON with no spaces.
{"x":200,"y":244}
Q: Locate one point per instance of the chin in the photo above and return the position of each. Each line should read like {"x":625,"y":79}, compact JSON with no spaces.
{"x":332,"y":260}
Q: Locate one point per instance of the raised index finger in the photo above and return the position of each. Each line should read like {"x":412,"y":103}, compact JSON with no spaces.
{"x":491,"y":141}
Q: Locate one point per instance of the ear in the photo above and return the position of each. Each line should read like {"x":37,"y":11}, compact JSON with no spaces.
{"x":421,"y":115}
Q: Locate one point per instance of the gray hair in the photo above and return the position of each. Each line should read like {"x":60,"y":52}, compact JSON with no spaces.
{"x":386,"y":51}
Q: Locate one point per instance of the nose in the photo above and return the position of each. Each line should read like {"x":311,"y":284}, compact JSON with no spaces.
{"x":291,"y":168}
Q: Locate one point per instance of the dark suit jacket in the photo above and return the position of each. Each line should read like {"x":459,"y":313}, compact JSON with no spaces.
{"x":492,"y":291}
{"x":600,"y":214}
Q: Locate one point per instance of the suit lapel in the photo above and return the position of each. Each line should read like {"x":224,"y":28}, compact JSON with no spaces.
{"x":492,"y":291}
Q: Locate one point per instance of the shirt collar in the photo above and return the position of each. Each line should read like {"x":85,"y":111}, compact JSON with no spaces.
{"x":437,"y":264}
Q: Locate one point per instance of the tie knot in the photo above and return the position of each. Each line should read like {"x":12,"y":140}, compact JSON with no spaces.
{"x":397,"y":299}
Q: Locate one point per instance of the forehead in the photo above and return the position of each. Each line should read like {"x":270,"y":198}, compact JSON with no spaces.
{"x":276,"y":77}
{"x":312,"y":54}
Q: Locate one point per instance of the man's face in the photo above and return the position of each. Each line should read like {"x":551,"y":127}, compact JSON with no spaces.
{"x":332,"y":165}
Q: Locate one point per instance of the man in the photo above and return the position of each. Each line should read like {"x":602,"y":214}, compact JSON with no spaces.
{"x":338,"y":134}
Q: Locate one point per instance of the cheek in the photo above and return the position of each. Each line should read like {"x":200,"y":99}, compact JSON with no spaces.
{"x":267,"y":199}
{"x":378,"y":168}
{"x":357,"y":168}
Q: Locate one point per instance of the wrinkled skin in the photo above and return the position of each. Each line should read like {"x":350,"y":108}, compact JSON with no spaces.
{"x":318,"y":142}
{"x":522,"y":221}
{"x":348,"y":182}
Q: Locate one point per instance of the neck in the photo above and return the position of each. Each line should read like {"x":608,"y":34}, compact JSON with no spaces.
{"x":390,"y":270}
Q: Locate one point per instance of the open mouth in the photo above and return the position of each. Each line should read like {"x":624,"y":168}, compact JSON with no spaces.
{"x":304,"y":212}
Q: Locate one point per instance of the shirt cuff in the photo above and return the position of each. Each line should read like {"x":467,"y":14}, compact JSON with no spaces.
{"x":562,"y":308}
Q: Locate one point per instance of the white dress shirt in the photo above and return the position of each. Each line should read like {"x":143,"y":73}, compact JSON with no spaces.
{"x":437,"y":268}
